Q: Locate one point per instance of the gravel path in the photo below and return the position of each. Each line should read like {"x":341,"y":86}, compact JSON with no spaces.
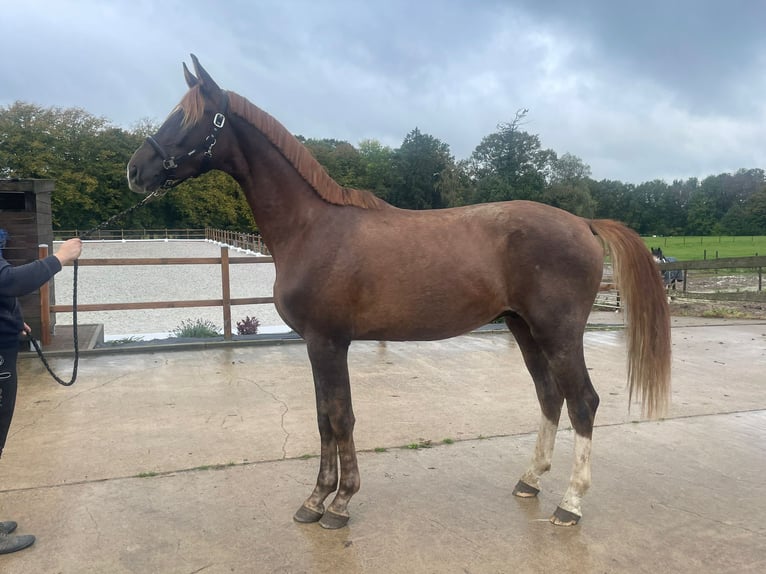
{"x":133,"y":283}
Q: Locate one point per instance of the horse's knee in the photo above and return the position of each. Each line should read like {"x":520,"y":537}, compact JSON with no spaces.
{"x":343,"y":422}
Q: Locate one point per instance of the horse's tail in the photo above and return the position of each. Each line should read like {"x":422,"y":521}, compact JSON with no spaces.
{"x":647,"y":316}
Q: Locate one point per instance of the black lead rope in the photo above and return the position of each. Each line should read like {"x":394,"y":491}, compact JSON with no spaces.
{"x":75,"y":338}
{"x":36,"y":344}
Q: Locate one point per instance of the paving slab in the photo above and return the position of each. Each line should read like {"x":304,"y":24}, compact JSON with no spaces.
{"x":191,"y":461}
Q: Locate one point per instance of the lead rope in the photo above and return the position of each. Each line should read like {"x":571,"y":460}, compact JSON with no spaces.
{"x":75,"y":338}
{"x":36,"y":344}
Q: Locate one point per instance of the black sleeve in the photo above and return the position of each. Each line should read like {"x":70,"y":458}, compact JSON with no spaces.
{"x":22,"y":279}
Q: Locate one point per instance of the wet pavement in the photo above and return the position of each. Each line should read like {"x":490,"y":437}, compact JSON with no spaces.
{"x":189,"y":459}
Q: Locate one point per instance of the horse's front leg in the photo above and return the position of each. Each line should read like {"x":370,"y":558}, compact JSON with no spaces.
{"x":327,"y":480}
{"x":335,"y":417}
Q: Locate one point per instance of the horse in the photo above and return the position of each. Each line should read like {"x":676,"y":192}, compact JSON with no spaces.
{"x":349,"y":266}
{"x":670,"y":277}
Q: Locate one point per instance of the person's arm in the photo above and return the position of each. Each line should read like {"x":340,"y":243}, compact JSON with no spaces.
{"x":23,"y":279}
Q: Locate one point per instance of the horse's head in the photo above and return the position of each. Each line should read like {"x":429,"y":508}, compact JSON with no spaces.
{"x":657,"y":254}
{"x":184,"y":146}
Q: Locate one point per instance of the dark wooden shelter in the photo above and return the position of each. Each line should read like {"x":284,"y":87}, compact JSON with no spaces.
{"x":25,"y":213}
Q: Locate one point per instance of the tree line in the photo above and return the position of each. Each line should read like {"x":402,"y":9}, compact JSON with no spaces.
{"x":86,"y":156}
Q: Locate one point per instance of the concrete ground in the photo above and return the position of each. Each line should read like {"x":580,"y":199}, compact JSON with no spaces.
{"x":193,"y":461}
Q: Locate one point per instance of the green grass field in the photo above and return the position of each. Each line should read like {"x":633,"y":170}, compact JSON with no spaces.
{"x":710,"y":247}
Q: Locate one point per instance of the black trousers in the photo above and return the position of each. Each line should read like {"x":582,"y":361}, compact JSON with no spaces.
{"x":8,"y":386}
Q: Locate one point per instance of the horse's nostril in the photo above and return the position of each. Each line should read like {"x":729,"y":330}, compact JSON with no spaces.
{"x":132,"y":172}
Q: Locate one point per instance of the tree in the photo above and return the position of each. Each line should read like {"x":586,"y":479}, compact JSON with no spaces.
{"x":341,"y":160}
{"x":737,"y":222}
{"x":83,"y":153}
{"x":568,"y":169}
{"x":568,"y":186}
{"x":644,"y":211}
{"x":701,"y":216}
{"x":574,"y":198}
{"x":756,"y":208}
{"x":454,"y":185}
{"x":747,"y":219}
{"x":377,"y":168}
{"x":672,"y":207}
{"x":86,"y":156}
{"x":417,"y":165}
{"x":510,"y":164}
{"x":213,"y":200}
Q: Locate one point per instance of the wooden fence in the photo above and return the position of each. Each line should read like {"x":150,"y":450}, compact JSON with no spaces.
{"x":128,"y":234}
{"x":225,"y":301}
{"x":735,"y":265}
{"x":253,"y":242}
{"x":609,"y":297}
{"x":237,"y":239}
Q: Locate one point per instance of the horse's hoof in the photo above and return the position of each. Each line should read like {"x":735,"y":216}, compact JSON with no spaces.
{"x":306,"y":515}
{"x":333,"y":521}
{"x":523,"y":490}
{"x":563,"y":517}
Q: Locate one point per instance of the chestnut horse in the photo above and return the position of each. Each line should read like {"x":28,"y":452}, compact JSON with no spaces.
{"x":349,"y":266}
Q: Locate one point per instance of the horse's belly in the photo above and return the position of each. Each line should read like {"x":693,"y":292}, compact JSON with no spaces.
{"x":422,"y":318}
{"x":413,"y":332}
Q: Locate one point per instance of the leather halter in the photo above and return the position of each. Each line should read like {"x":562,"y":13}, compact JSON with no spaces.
{"x":171,"y":162}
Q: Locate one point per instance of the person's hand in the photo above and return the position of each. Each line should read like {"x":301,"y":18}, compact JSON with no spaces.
{"x":27,"y":330}
{"x":69,"y":250}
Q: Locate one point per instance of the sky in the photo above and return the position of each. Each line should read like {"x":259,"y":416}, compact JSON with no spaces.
{"x":657,"y":89}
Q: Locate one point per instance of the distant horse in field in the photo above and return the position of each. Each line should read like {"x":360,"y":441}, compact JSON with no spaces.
{"x":670,"y":277}
{"x":349,"y":266}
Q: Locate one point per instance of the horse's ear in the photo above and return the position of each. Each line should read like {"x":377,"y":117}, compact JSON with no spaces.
{"x":203,"y":78}
{"x":191,"y":80}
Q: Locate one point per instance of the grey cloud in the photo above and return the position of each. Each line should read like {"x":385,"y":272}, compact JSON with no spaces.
{"x":637,"y":90}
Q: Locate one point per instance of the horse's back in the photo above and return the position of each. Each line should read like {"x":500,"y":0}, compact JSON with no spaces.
{"x":518,"y":242}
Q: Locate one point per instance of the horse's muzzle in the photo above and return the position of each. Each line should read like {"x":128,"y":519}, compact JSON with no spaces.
{"x":133,"y":180}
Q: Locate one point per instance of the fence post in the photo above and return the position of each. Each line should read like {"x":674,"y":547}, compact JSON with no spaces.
{"x":45,"y":302}
{"x":226,"y":293}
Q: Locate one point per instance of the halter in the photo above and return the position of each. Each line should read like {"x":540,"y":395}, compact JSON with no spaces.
{"x":171,"y":162}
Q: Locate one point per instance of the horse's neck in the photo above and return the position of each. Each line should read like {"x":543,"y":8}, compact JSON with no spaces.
{"x":281,"y":200}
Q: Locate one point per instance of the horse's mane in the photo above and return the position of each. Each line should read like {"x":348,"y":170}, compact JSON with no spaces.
{"x":294,"y":151}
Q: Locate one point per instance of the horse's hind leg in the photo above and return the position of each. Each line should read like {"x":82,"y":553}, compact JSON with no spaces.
{"x":558,"y":366}
{"x":551,"y":400}
{"x":568,"y":366}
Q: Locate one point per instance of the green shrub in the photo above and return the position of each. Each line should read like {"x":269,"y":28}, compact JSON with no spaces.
{"x":198,"y":328}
